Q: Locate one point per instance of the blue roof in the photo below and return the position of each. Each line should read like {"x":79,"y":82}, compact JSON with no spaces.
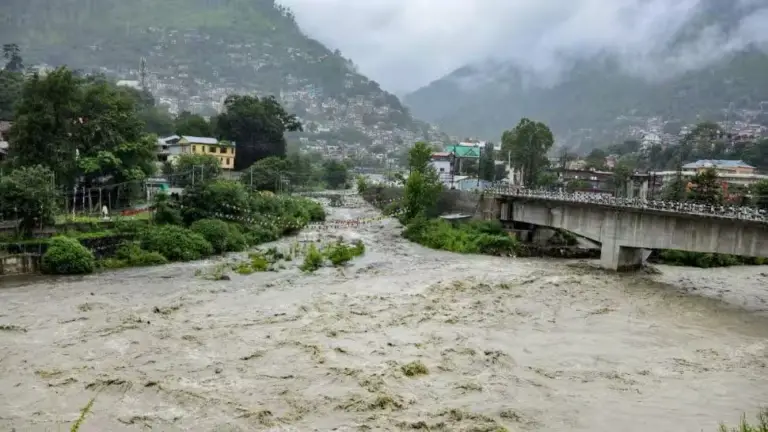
{"x":717,"y":163}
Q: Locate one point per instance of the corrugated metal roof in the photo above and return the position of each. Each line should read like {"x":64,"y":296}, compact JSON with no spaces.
{"x":463,"y":151}
{"x":200,"y":140}
{"x":717,"y":163}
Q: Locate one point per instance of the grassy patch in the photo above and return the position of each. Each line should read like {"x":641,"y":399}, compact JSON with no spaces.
{"x":414,"y":369}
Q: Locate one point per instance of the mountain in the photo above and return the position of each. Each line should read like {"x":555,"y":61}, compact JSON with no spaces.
{"x":600,"y":95}
{"x":198,"y":51}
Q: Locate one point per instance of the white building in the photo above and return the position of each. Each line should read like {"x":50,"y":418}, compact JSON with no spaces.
{"x":443,"y":164}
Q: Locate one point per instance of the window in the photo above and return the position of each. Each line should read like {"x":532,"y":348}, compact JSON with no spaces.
{"x":211,"y":149}
{"x":442,"y":169}
{"x":222,"y":149}
{"x":194,"y":148}
{"x":227,"y":163}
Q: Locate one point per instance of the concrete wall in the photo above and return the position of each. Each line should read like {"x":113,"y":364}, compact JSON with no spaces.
{"x":19,"y":264}
{"x":621,"y":230}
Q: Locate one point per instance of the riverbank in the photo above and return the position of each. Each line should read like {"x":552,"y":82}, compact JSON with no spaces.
{"x":517,"y":344}
{"x":211,"y":219}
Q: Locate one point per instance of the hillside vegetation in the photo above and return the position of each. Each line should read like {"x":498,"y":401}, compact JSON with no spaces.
{"x":194,"y":46}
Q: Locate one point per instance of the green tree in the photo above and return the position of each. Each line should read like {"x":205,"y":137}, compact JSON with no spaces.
{"x":192,"y":125}
{"x":11,"y":79}
{"x":759,"y":193}
{"x":706,"y":188}
{"x":13,"y":60}
{"x":10,"y":92}
{"x":257,"y":126}
{"x":335,"y":174}
{"x":85,"y":130}
{"x":528,"y":144}
{"x":487,"y":163}
{"x":419,"y":156}
{"x":223,"y":199}
{"x":596,"y":159}
{"x":195,"y":168}
{"x":422,"y":187}
{"x":27,"y":194}
{"x":266,"y":174}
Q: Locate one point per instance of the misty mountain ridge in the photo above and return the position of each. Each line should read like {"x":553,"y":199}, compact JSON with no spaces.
{"x":717,"y":57}
{"x":198,"y":51}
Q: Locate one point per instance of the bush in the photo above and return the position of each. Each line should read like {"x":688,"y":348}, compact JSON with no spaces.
{"x":236,"y":241}
{"x":362,"y":185}
{"x":217,"y":232}
{"x":471,"y":237}
{"x":176,"y":243}
{"x":340,"y":253}
{"x":703,"y":260}
{"x":260,"y":233}
{"x":66,"y":255}
{"x":313,"y":260}
{"x":133,"y":255}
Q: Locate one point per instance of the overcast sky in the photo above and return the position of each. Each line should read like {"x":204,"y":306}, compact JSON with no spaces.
{"x":404,"y":44}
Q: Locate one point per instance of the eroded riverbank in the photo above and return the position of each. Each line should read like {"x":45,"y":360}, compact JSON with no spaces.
{"x":522,"y":343}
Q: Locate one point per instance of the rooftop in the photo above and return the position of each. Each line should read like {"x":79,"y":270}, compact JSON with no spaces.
{"x":717,"y":163}
{"x":200,"y":140}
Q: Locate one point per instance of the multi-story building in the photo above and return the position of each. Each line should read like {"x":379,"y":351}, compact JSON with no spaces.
{"x":222,"y":150}
{"x":443,"y":164}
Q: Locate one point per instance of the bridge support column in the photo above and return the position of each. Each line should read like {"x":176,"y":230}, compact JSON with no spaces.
{"x":622,"y":258}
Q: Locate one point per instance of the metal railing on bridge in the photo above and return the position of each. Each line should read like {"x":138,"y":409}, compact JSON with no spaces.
{"x":723,"y":211}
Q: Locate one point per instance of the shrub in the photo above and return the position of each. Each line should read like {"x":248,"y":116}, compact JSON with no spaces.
{"x":176,"y":243}
{"x":66,"y":255}
{"x":235,"y":239}
{"x":260,"y":233}
{"x":216,"y":231}
{"x":130,"y":226}
{"x":362,"y":185}
{"x":131,"y":254}
{"x":340,"y":253}
{"x":472,"y":237}
{"x":313,"y":260}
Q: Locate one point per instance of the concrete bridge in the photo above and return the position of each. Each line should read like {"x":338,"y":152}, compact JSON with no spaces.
{"x":628,"y":229}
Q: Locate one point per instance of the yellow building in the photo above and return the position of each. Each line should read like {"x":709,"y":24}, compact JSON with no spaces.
{"x":223,"y":150}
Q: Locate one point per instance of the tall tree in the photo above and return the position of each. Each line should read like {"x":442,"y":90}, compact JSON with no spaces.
{"x":528,"y":144}
{"x":487,"y":168}
{"x":335,"y":174}
{"x":28,"y":194}
{"x":11,"y":78}
{"x":706,"y":188}
{"x":12,"y":56}
{"x":419,"y":156}
{"x":422,"y":187}
{"x":193,"y":125}
{"x":83,"y":130}
{"x":257,"y":126}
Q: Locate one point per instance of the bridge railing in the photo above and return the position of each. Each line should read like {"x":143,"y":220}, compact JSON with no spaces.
{"x":723,"y":211}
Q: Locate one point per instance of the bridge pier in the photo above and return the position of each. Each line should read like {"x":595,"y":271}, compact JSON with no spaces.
{"x":622,"y":258}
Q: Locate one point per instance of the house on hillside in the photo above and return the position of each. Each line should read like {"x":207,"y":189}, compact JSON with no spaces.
{"x":222,"y":150}
{"x":722,"y":167}
{"x":443,"y":162}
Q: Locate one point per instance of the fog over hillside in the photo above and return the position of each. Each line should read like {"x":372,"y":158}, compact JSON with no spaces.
{"x":405,"y":44}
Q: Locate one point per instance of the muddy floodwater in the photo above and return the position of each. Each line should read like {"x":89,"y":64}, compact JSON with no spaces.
{"x":524,"y":344}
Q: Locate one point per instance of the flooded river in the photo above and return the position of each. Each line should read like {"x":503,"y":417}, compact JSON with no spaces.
{"x":523,"y":344}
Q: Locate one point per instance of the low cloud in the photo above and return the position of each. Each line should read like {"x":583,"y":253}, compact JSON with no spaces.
{"x":404,"y":44}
